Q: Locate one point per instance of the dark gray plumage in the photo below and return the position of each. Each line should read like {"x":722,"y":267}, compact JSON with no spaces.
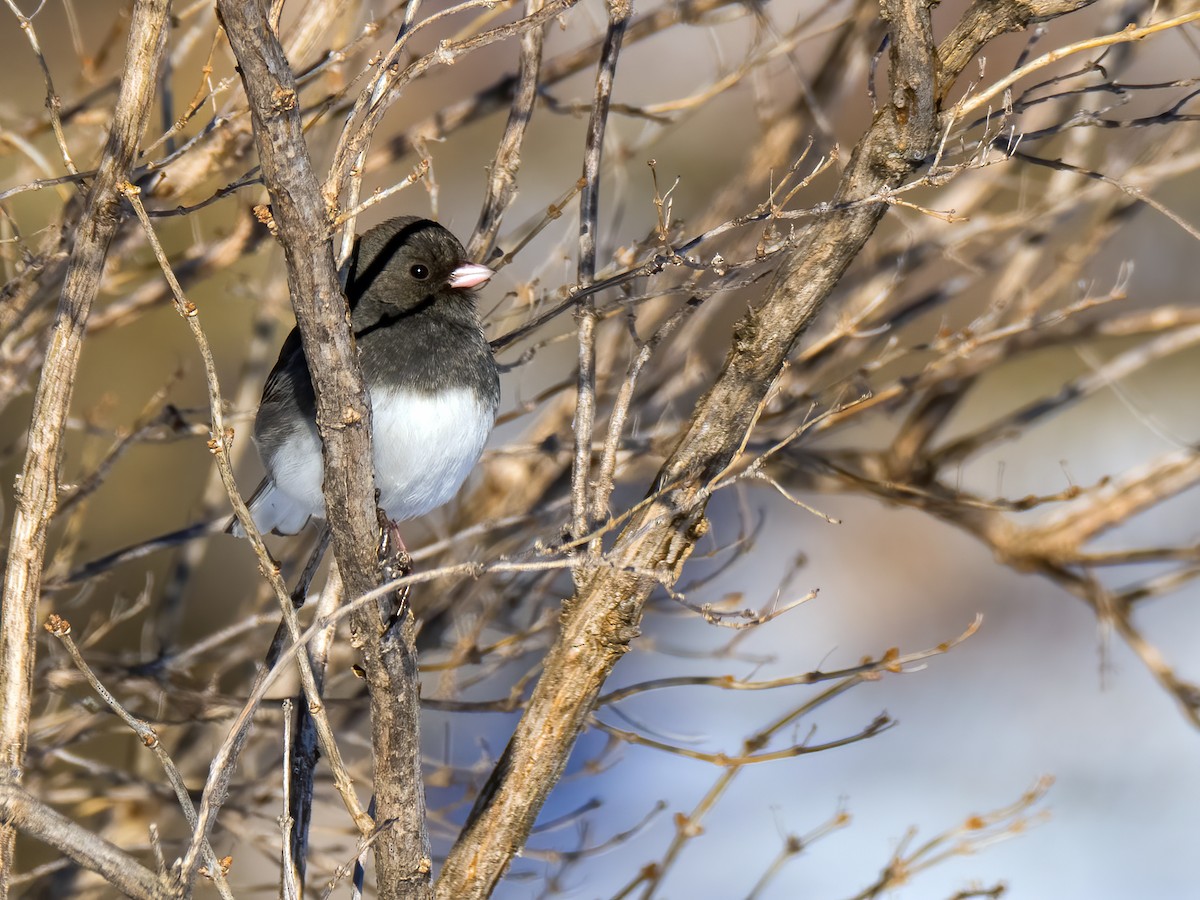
{"x":429,"y":370}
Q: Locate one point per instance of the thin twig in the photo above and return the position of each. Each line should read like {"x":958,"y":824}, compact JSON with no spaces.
{"x":619,"y":12}
{"x":1127,"y":34}
{"x":61,"y":629}
{"x":53,"y":100}
{"x":502,"y":176}
{"x":222,"y":436}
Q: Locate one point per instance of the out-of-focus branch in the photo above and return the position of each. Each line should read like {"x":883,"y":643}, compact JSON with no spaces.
{"x":38,"y":493}
{"x":967,"y":838}
{"x":690,"y":826}
{"x":391,"y":78}
{"x":975,"y":101}
{"x":60,"y":628}
{"x":984,"y":21}
{"x":53,"y":100}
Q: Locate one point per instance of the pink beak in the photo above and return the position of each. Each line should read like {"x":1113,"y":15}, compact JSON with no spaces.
{"x":470,"y":275}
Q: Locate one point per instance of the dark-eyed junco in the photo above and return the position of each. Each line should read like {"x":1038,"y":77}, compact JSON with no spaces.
{"x":433,"y":384}
{"x":429,"y":370}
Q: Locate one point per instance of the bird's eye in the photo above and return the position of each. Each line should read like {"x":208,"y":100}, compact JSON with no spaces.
{"x":419,"y":272}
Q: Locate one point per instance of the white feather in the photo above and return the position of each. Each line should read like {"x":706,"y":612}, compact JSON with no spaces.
{"x":425,"y":447}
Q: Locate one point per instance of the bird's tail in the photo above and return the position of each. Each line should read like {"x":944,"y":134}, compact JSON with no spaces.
{"x":272,"y":511}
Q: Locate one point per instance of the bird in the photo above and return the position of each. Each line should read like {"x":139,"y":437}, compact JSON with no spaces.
{"x":433,"y":383}
{"x":428,"y":368}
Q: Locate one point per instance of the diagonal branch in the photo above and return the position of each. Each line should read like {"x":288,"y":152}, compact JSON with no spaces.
{"x":603,"y":617}
{"x":80,"y":845}
{"x":343,"y":410}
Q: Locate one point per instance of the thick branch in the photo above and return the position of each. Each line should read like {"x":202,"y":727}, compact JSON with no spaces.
{"x":343,"y":410}
{"x":985,"y":20}
{"x":37,"y":498}
{"x":602,"y":618}
{"x":402,"y":862}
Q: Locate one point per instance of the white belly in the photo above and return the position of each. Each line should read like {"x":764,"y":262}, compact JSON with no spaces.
{"x":425,"y":447}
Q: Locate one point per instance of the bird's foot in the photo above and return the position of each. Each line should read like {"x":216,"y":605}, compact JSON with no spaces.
{"x":395,"y":562}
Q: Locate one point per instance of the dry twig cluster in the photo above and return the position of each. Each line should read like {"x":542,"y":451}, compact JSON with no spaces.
{"x":815,"y":328}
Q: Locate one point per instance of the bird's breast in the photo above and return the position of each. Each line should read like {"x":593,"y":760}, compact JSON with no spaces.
{"x":426,"y":444}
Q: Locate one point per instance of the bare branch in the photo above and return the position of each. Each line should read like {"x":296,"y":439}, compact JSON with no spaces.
{"x":122,"y":871}
{"x":38,"y":492}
